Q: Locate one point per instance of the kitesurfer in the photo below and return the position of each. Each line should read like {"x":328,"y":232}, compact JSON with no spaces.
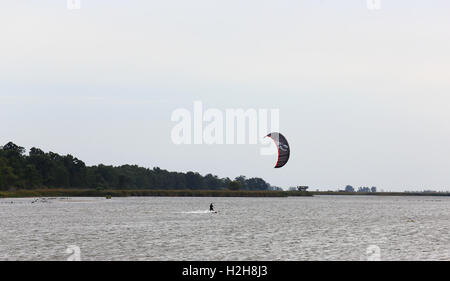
{"x":211,"y":207}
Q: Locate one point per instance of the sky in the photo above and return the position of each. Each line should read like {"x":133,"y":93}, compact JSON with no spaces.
{"x":363,"y":94}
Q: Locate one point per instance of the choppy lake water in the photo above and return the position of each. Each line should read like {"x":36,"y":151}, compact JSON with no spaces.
{"x":177,"y":228}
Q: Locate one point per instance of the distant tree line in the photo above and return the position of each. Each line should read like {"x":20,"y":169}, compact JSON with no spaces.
{"x":350,"y":188}
{"x":39,"y":169}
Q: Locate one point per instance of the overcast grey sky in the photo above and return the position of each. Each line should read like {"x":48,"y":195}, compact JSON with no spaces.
{"x":364,"y":95}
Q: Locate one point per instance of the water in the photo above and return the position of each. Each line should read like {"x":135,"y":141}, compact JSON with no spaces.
{"x":179,"y":228}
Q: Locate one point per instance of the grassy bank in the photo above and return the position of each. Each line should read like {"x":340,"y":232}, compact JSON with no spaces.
{"x":191,"y":193}
{"x":143,"y":192}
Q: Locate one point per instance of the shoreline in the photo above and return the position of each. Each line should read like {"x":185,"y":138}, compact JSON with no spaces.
{"x":381,"y":193}
{"x":193,"y":193}
{"x":146,"y":192}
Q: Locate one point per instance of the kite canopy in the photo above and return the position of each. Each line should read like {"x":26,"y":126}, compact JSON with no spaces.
{"x":283,"y":148}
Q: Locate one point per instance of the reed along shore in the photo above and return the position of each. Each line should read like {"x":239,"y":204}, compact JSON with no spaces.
{"x":146,"y":192}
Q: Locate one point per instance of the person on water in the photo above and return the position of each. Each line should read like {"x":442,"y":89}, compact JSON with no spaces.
{"x":211,"y":207}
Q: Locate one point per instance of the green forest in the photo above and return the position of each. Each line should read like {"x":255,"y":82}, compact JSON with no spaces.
{"x":38,"y":169}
